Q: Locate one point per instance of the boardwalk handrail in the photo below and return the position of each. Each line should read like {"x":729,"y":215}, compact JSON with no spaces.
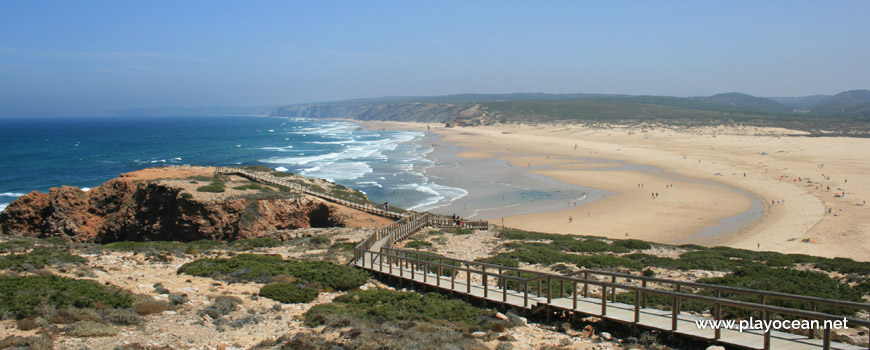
{"x":274,"y":180}
{"x":429,"y":262}
{"x":543,"y":275}
{"x":796,"y":297}
{"x":397,"y":256}
{"x":387,"y":257}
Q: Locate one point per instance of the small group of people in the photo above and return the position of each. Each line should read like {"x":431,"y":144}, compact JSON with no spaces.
{"x":458,"y":221}
{"x":655,"y":195}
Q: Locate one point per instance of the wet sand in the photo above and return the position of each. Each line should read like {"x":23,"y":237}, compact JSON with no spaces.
{"x":722,"y":178}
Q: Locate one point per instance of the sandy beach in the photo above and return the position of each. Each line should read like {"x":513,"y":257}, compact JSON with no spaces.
{"x":752,"y":188}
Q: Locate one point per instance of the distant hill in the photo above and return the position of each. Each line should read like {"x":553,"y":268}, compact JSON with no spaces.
{"x":746,"y":102}
{"x":853,"y":103}
{"x":804,"y":103}
{"x":838,"y":115}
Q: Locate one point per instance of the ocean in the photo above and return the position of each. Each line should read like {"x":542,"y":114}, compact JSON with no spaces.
{"x":40,"y":153}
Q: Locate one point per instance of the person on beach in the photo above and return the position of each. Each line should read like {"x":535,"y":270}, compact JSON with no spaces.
{"x":570,"y":219}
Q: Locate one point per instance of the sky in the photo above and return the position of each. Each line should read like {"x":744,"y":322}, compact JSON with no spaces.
{"x":104,"y":55}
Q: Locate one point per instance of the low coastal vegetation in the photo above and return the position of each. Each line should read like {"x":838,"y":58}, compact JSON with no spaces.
{"x":39,"y":257}
{"x":216,"y":186}
{"x":836,"y":278}
{"x":20,"y":296}
{"x":393,"y":306}
{"x":263,"y":268}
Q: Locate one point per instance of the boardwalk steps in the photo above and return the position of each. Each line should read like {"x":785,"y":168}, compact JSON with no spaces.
{"x":574,"y":294}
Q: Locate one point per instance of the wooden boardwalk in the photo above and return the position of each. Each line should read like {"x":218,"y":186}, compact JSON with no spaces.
{"x":262,"y":177}
{"x":576,"y":294}
{"x":461,"y":278}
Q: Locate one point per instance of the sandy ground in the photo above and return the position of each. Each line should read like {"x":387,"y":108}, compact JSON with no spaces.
{"x":785,"y":173}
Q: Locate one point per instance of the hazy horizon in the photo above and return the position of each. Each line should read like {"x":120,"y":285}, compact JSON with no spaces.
{"x":102,"y":55}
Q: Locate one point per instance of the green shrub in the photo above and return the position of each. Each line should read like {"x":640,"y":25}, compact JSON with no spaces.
{"x":593,"y":261}
{"x":289,"y":293}
{"x":788,"y":281}
{"x":163,"y":246}
{"x":394,"y":306}
{"x":281,"y":174}
{"x":345,"y":246}
{"x":633,"y":244}
{"x":320,"y":240}
{"x":40,"y":256}
{"x":260,"y":168}
{"x":20,"y":295}
{"x":148,"y":306}
{"x":256,"y":267}
{"x":221,"y":306}
{"x":248,"y":187}
{"x":259,"y":242}
{"x":418,"y":244}
{"x":91,"y":329}
{"x":216,"y":186}
{"x":186,"y":195}
{"x":502,"y":260}
{"x":462,"y":231}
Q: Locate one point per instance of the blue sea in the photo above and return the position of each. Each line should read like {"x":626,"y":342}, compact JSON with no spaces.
{"x":40,"y":153}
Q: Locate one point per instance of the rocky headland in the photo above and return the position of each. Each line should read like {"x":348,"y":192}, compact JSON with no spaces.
{"x":176,"y":203}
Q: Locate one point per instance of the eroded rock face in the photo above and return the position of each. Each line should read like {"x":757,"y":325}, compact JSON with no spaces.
{"x":122,"y":209}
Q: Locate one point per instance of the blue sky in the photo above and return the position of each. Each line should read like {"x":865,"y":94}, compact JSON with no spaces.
{"x":97,"y":55}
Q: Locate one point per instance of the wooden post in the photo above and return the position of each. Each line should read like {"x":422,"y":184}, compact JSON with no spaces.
{"x":585,"y":284}
{"x":574,"y":305}
{"x":643,"y":295}
{"x":485,"y":286}
{"x":452,"y":279}
{"x":549,"y":289}
{"x":675,"y":310}
{"x":504,"y":290}
{"x":613,"y":291}
{"x":468,"y":280}
{"x":525,"y":294}
{"x":767,"y":332}
{"x":717,"y":315}
{"x":826,"y":341}
{"x":539,"y":287}
{"x":636,"y":307}
{"x":603,"y":300}
{"x":438,"y":278}
{"x":761,"y":301}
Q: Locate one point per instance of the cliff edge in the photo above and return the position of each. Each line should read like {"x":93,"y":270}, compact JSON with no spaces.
{"x":176,"y":203}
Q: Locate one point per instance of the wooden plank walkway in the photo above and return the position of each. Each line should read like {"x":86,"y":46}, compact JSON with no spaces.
{"x":277,"y":181}
{"x":649,"y":318}
{"x":491,"y":283}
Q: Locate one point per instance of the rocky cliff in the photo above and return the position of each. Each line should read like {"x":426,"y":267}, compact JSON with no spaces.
{"x":398,"y":111}
{"x":130,"y":208}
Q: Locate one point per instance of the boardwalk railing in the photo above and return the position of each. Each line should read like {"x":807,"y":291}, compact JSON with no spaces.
{"x":572,"y":294}
{"x":534,"y":290}
{"x":569,"y":293}
{"x":266,"y":178}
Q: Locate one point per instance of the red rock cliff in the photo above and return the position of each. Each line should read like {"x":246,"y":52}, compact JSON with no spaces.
{"x":127,"y":209}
